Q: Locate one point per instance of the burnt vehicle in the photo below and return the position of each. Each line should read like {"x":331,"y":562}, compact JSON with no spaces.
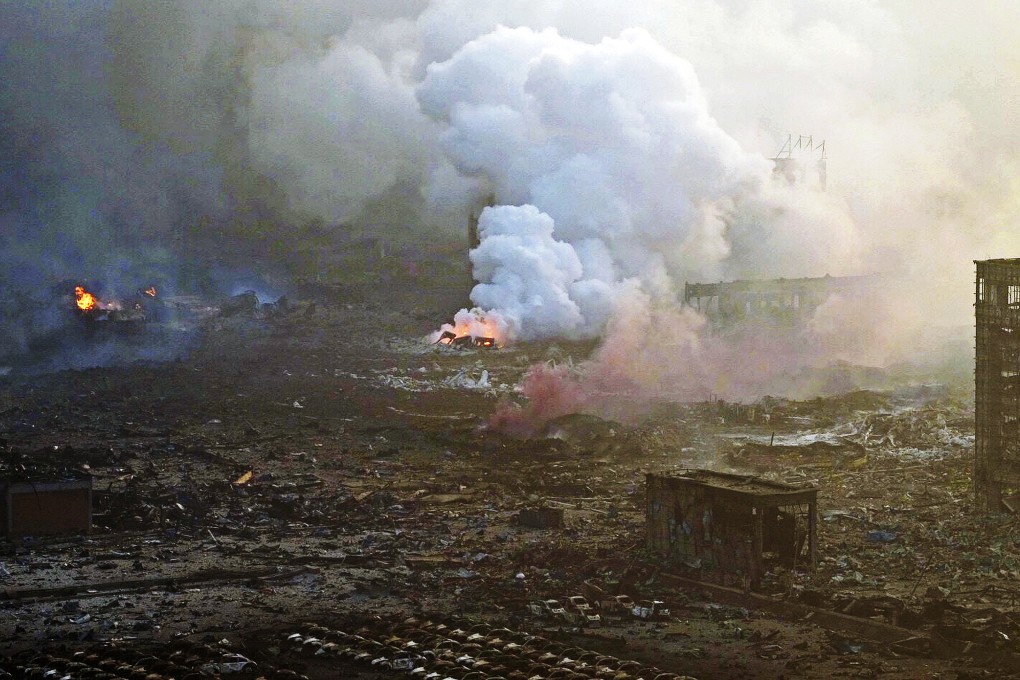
{"x":583,"y":612}
{"x":229,"y":664}
{"x":549,"y":609}
{"x":650,"y":610}
{"x":617,"y":606}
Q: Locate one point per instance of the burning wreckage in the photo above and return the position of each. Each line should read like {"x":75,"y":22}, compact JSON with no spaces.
{"x":451,"y":339}
{"x":75,"y":324}
{"x":471,"y":328}
{"x":138,"y":309}
{"x":148,"y":305}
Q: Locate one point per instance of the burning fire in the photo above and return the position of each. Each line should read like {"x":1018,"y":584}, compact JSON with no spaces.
{"x":86,"y":301}
{"x":473,"y":327}
{"x":89,"y":302}
{"x":150,"y":291}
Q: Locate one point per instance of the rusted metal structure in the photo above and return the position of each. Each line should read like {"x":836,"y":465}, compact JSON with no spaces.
{"x":780,"y":300}
{"x":997,"y":384}
{"x":40,"y":494}
{"x":37,"y":508}
{"x":731,"y":526}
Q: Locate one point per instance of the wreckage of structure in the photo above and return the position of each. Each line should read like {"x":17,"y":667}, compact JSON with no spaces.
{"x":779,"y":300}
{"x":731,"y":527}
{"x":453,"y":340}
{"x":39,"y":499}
{"x":997,"y":385}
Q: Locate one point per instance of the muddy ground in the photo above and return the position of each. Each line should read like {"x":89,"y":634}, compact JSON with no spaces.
{"x":374,"y":496}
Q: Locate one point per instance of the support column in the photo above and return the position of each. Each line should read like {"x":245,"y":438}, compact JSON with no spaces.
{"x":812,"y":523}
{"x":757,"y":546}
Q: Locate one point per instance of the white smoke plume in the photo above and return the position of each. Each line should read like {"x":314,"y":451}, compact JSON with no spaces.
{"x":615,"y":145}
{"x":527,"y":275}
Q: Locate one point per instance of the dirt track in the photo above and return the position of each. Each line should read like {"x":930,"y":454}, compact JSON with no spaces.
{"x":373,"y":491}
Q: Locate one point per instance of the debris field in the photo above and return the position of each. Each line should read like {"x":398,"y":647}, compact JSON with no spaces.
{"x":314,"y":493}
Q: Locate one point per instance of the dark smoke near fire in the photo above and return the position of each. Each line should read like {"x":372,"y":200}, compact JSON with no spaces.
{"x":622,"y":152}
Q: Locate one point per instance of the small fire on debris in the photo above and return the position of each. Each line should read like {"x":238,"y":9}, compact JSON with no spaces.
{"x":472,"y":329}
{"x":132,"y":311}
{"x":451,"y":338}
{"x":85,"y":300}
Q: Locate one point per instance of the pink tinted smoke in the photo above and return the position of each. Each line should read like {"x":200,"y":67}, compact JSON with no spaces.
{"x":551,"y":392}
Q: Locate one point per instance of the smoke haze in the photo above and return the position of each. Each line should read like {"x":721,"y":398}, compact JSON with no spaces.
{"x":624,"y":149}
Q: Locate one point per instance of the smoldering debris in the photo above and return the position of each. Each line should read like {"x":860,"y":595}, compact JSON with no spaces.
{"x":75,"y":328}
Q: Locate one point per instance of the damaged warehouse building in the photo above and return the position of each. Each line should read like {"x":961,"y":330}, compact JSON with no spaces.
{"x":782,"y":300}
{"x":731,"y":526}
{"x":997,"y":385}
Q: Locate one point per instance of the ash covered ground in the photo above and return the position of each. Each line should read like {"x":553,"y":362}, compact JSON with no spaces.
{"x":314,"y":489}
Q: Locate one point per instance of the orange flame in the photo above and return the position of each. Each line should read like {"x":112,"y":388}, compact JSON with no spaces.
{"x":484,"y":330}
{"x":479,"y":328}
{"x":86,"y":301}
{"x":150,"y":291}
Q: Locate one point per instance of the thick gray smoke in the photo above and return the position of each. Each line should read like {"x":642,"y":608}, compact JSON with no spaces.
{"x":624,"y":146}
{"x":81,"y":198}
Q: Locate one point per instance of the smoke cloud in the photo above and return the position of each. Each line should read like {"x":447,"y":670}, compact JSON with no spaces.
{"x":624,"y":150}
{"x":81,"y":198}
{"x":615,"y":145}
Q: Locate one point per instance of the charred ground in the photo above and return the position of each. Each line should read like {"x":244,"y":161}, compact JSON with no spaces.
{"x":323,"y":465}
